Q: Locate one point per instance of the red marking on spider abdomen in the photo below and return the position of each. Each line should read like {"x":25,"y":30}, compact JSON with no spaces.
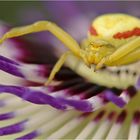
{"x":127,"y":34}
{"x":93,"y":31}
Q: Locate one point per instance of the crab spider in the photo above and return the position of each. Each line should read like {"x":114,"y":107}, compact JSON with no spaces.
{"x":113,"y":40}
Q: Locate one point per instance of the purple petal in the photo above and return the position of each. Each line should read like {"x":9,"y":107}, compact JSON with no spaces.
{"x":29,"y":136}
{"x":2,"y":58}
{"x":6,"y":116}
{"x":10,"y":67}
{"x":34,"y":96}
{"x":11,"y":129}
{"x":26,"y":71}
{"x":114,"y":98}
{"x":77,"y":104}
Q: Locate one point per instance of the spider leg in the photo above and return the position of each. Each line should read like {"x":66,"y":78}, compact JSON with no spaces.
{"x":129,"y":58}
{"x":64,"y":37}
{"x":125,"y":49}
{"x":120,"y":54}
{"x":100,"y":64}
{"x":57,"y":67}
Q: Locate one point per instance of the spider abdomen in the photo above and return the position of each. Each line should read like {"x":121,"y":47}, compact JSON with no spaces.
{"x":116,"y":26}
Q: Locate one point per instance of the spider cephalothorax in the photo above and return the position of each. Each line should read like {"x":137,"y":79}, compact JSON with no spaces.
{"x":95,"y":51}
{"x":114,"y":40}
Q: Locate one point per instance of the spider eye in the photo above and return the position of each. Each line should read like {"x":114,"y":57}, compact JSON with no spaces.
{"x":98,"y":44}
{"x":95,"y":45}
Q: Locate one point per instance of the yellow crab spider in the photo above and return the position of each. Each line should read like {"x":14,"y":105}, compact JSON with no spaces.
{"x":113,"y":40}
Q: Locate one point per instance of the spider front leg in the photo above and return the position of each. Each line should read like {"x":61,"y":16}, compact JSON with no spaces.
{"x":39,"y":26}
{"x":120,"y":53}
{"x":57,"y":67}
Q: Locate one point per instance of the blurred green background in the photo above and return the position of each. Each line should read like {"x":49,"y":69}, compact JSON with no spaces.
{"x":9,"y":9}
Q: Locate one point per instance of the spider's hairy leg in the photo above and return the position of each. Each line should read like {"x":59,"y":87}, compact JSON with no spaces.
{"x":57,"y":67}
{"x":64,"y":37}
{"x":121,"y":53}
